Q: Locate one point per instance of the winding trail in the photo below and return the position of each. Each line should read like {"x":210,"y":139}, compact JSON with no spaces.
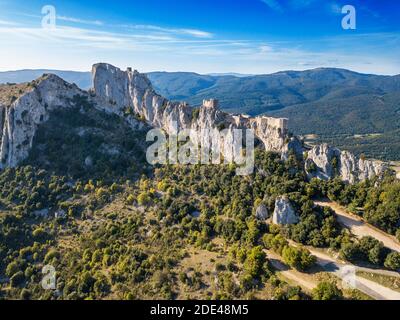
{"x":345,"y":272}
{"x":359,"y":227}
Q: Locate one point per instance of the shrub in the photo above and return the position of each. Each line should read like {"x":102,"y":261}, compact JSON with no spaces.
{"x":327,"y":291}
{"x":130,"y":199}
{"x":40,"y":234}
{"x":276,"y":243}
{"x":52,"y":254}
{"x":254,"y":262}
{"x":17,"y":279}
{"x":144,"y":199}
{"x":12,"y":269}
{"x":393,"y":261}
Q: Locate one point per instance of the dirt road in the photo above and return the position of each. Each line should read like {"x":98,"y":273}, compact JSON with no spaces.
{"x":303,"y":280}
{"x":359,"y":227}
{"x":347,"y":273}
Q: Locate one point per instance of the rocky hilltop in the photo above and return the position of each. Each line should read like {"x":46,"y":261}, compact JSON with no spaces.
{"x":130,"y":94}
{"x":25,"y":110}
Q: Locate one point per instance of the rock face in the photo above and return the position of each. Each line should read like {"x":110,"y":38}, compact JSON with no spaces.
{"x":284,"y":213}
{"x":325,"y":162}
{"x":20,"y":119}
{"x":120,"y":91}
{"x":262,"y":213}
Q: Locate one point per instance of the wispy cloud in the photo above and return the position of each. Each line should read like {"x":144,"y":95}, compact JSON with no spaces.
{"x":81,"y":37}
{"x":158,"y":47}
{"x":329,"y":6}
{"x":178,"y":31}
{"x":335,"y":8}
{"x":299,"y":4}
{"x":273,"y":4}
{"x":7,"y":23}
{"x":81,"y":21}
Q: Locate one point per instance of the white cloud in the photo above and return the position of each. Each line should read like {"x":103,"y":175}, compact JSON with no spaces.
{"x":266,"y":49}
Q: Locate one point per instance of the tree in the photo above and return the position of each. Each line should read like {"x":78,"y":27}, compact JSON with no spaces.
{"x":372,"y":249}
{"x":12,"y":268}
{"x":299,"y":258}
{"x":327,"y":291}
{"x":144,"y":199}
{"x":252,"y":233}
{"x":130,"y":199}
{"x":349,"y":251}
{"x":276,"y":243}
{"x":393,"y":261}
{"x":254,"y":262}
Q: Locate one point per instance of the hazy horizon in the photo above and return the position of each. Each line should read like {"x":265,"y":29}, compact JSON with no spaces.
{"x":199,"y":73}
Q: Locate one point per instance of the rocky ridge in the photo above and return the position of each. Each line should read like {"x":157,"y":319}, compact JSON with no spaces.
{"x":325,"y":162}
{"x":122,"y":92}
{"x":130,"y":94}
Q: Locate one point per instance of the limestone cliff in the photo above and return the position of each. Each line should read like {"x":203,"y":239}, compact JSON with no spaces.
{"x":326,"y":162}
{"x":121,"y":91}
{"x":20,"y":117}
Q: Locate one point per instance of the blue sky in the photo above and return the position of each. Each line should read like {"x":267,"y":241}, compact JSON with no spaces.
{"x":245,"y":36}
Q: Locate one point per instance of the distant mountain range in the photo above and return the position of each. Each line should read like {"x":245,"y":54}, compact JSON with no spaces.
{"x":334,"y":104}
{"x":82,"y":79}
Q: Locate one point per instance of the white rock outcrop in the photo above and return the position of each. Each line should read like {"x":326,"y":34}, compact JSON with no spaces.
{"x":326,"y":162}
{"x":20,"y":120}
{"x":284,"y":213}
